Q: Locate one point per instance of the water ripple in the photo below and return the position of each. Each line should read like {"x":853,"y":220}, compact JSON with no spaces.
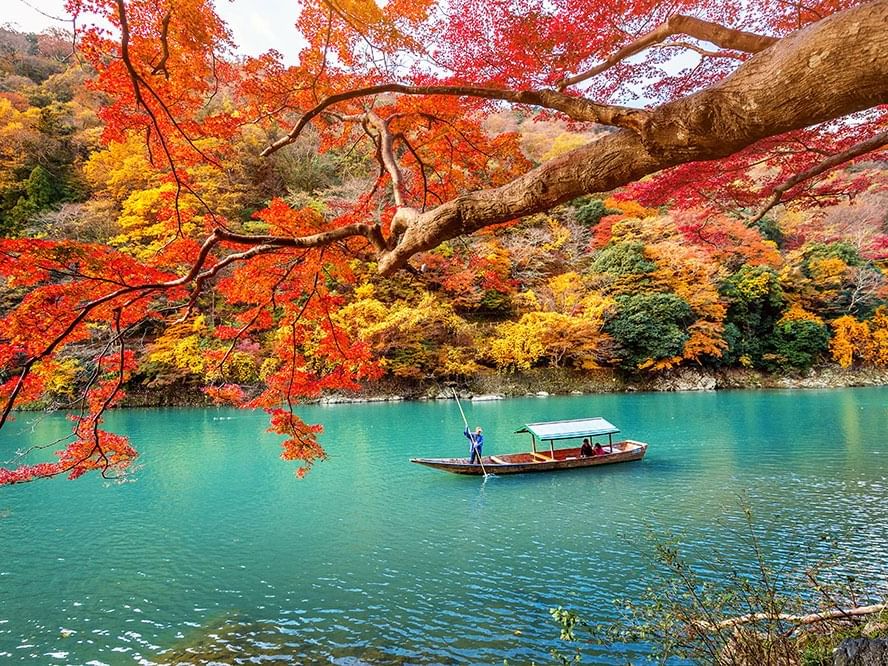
{"x":217,"y":555}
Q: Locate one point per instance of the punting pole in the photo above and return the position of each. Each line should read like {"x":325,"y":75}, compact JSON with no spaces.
{"x":471,"y":436}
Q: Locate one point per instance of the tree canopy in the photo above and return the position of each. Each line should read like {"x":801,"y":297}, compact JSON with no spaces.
{"x":399,"y":130}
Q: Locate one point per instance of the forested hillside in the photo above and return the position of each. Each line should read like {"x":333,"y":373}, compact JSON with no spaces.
{"x":601,"y":282}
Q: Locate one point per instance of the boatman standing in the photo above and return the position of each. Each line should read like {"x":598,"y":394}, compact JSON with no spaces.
{"x":476,"y":440}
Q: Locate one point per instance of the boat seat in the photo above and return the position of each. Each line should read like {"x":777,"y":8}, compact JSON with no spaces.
{"x":498,"y":461}
{"x":539,"y":456}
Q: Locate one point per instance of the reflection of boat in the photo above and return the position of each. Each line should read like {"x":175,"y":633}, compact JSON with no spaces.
{"x":553,"y":459}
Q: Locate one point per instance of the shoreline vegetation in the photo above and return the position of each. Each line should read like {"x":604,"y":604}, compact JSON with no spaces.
{"x":544,"y":382}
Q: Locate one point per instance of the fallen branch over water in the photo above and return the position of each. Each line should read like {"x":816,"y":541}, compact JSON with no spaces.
{"x":811,"y":618}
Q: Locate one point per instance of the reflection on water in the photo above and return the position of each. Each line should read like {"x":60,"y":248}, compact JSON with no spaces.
{"x":235,"y":639}
{"x":217,"y":553}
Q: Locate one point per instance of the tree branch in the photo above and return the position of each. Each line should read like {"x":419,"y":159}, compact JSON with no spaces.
{"x":370,"y":231}
{"x":699,"y":50}
{"x":259,"y":308}
{"x":858,"y":149}
{"x":576,"y":108}
{"x":422,"y":168}
{"x":138,"y":82}
{"x":811,"y":618}
{"x":387,"y":156}
{"x":165,"y":46}
{"x":726,"y":38}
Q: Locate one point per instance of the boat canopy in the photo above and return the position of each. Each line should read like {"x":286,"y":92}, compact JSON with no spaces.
{"x":570,"y":429}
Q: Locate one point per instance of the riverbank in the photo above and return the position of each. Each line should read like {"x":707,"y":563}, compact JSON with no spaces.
{"x":560,"y":381}
{"x":553,"y":381}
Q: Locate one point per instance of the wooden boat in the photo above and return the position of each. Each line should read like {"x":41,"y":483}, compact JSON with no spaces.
{"x":553,"y":459}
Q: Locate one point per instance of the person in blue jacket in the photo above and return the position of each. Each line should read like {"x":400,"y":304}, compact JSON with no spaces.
{"x":476,"y":440}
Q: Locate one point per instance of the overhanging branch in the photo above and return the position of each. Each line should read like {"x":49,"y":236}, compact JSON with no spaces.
{"x":798,"y":620}
{"x":370,"y":231}
{"x":705,"y":53}
{"x":576,"y":108}
{"x":858,"y":149}
{"x":721,"y":36}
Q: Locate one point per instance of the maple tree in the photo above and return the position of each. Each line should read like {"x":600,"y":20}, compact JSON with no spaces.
{"x":408,"y":93}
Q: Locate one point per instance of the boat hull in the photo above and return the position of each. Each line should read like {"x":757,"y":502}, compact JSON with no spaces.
{"x":523,"y":463}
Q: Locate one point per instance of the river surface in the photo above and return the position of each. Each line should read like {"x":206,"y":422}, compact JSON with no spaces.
{"x":216,"y":550}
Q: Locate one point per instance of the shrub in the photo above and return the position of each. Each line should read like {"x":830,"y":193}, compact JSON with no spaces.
{"x":797,"y":344}
{"x":650,"y":328}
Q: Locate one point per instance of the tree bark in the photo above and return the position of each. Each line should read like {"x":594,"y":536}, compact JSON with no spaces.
{"x":827,"y":70}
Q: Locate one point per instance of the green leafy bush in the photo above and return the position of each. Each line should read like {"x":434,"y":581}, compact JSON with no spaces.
{"x":650,"y":328}
{"x":797,"y":344}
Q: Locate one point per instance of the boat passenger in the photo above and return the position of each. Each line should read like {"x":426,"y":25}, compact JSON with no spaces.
{"x":476,"y":441}
{"x":586,"y":449}
{"x":598,"y":450}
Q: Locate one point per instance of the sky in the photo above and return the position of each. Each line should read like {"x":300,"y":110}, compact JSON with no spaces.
{"x":257,"y":25}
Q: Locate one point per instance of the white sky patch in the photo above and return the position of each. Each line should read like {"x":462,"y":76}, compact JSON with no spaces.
{"x":260,"y":28}
{"x":260,"y":25}
{"x":256,"y":25}
{"x":34,"y":15}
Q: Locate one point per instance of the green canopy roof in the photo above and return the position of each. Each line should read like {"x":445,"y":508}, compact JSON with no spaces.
{"x":570,"y":429}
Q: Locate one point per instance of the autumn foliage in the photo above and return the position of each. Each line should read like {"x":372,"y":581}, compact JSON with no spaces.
{"x":175,"y":216}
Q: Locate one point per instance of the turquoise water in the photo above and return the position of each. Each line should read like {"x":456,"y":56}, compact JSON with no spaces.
{"x":217,"y":546}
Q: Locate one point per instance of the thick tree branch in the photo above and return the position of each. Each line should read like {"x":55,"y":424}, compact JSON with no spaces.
{"x":858,"y":149}
{"x":576,"y":108}
{"x":387,"y":156}
{"x":828,"y":69}
{"x":726,"y":38}
{"x":161,"y":67}
{"x":370,"y":231}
